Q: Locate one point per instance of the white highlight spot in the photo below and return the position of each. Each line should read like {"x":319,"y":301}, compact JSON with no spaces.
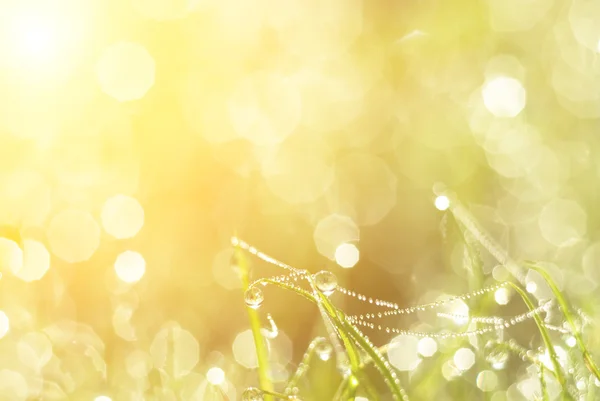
{"x":442,"y":202}
{"x":215,"y":376}
{"x":347,"y":255}
{"x":504,"y":96}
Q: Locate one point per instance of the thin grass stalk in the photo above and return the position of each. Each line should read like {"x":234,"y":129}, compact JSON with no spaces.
{"x":560,"y":376}
{"x":255,"y":326}
{"x":562,"y":302}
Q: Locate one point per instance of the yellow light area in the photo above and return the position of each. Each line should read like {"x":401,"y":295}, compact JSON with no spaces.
{"x":215,"y":376}
{"x":13,"y":386}
{"x":34,"y":350}
{"x":162,"y":10}
{"x":43,"y":40}
{"x":265,"y":108}
{"x":130,"y":266}
{"x":504,"y":96}
{"x":73,"y":235}
{"x":563,"y":222}
{"x":299,"y":170}
{"x":138,"y":364}
{"x":11,"y":256}
{"x":122,"y":216}
{"x":347,"y":255}
{"x":126,"y":71}
{"x":4,"y":324}
{"x":36,"y":261}
{"x":103,"y":398}
{"x":442,"y":202}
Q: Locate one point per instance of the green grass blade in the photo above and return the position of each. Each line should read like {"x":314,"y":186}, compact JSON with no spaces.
{"x":255,"y":326}
{"x":564,"y":306}
{"x":560,"y":376}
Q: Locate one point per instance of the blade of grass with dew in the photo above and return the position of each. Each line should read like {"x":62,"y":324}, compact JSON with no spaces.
{"x":390,"y":377}
{"x":562,"y":380}
{"x":255,"y":326}
{"x":564,"y":306}
{"x":545,"y":396}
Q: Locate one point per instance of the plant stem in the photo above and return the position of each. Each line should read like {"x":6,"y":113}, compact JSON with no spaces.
{"x":562,"y":302}
{"x":546,"y":338}
{"x":255,"y":326}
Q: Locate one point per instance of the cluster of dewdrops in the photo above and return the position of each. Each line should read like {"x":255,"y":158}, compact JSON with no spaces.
{"x":496,"y":351}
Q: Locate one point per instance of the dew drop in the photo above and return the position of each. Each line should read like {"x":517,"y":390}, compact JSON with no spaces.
{"x":252,"y":394}
{"x":326,"y":282}
{"x":323,"y":350}
{"x":254,"y":297}
{"x":496,"y":355}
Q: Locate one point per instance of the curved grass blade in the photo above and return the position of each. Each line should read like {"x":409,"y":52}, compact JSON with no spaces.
{"x":562,"y":302}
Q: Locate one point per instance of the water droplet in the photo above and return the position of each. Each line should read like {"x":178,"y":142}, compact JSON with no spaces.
{"x":254,"y":297}
{"x":323,"y":350}
{"x":326,"y":282}
{"x":344,"y":367}
{"x":252,"y":394}
{"x":496,"y":354}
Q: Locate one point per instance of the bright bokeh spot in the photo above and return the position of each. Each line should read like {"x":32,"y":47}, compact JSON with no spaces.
{"x":130,"y":266}
{"x":73,"y":235}
{"x":442,"y":202}
{"x":122,"y":216}
{"x":347,"y":255}
{"x":403,"y":352}
{"x":126,"y":71}
{"x":502,"y":296}
{"x":504,"y":96}
{"x":561,"y":354}
{"x":427,"y":346}
{"x":563,"y":222}
{"x":265,"y":108}
{"x":215,"y":376}
{"x":332,"y":231}
{"x":36,"y":261}
{"x":177,"y":346}
{"x":103,"y":398}
{"x":487,"y":380}
{"x":44,"y":40}
{"x":464,"y":359}
{"x":4,"y":324}
{"x":11,"y":256}
{"x":244,"y":350}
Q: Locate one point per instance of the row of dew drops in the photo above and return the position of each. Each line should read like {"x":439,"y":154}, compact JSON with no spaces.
{"x":496,"y":351}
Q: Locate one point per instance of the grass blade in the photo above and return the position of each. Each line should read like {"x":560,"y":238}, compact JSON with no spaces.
{"x":255,"y":326}
{"x":564,"y":306}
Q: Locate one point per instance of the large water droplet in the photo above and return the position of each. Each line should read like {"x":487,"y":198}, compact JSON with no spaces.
{"x":326,"y":282}
{"x":254,"y":297}
{"x":323,"y":350}
{"x":252,"y":394}
{"x":496,"y":354}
